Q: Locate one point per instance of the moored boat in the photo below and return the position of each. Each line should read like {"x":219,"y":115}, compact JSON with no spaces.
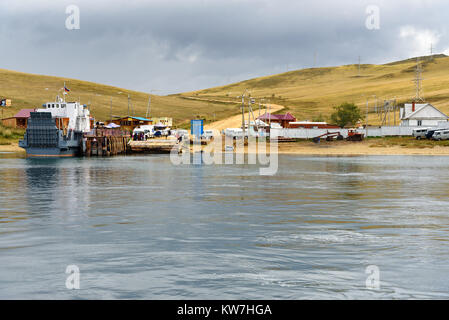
{"x":56,"y":130}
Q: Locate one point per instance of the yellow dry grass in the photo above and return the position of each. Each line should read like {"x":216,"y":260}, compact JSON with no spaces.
{"x":308,"y":93}
{"x":31,"y":91}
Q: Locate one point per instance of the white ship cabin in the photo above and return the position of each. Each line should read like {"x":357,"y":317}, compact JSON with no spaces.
{"x":75,"y":116}
{"x":421,"y":114}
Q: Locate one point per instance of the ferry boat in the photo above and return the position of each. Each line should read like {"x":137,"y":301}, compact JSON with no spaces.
{"x":57,"y":129}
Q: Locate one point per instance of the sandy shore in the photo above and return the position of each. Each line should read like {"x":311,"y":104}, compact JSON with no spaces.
{"x":336,"y":148}
{"x":14,"y":147}
{"x":345,"y":148}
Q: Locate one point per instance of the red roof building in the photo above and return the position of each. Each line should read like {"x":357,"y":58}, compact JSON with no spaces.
{"x":19,"y":120}
{"x":283,"y":119}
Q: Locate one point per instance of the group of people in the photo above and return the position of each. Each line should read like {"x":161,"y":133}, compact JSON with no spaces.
{"x":139,"y":136}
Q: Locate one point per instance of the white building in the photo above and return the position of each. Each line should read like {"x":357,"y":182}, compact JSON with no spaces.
{"x":423,"y":114}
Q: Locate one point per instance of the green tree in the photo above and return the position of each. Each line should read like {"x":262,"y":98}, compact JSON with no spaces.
{"x":319,"y":118}
{"x":346,"y":114}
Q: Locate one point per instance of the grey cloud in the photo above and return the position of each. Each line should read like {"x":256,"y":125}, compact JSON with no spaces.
{"x":185,"y":45}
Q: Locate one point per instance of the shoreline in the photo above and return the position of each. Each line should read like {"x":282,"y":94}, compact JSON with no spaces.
{"x":334,"y":148}
{"x":11,"y":148}
{"x":363,"y":148}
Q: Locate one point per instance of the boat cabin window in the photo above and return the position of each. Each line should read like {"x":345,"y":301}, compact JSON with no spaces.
{"x":57,"y":105}
{"x":53,"y":105}
{"x":63,"y":105}
{"x":48,"y":105}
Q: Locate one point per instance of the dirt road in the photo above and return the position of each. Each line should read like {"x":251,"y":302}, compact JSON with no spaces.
{"x":236,"y":121}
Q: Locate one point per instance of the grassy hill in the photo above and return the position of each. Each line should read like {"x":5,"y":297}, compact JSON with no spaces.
{"x":30,"y":91}
{"x":309,"y":93}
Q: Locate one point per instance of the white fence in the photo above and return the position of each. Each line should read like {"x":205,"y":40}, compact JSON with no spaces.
{"x":372,"y":132}
{"x":304,"y":133}
{"x":386,"y":131}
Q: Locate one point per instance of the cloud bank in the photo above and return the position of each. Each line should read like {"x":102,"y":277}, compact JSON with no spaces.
{"x":174,"y":46}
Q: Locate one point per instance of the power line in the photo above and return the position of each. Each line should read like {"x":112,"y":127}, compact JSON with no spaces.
{"x":419,"y":96}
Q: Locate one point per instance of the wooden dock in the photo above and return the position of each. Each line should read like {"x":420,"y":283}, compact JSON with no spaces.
{"x":154,"y":146}
{"x":105,"y":143}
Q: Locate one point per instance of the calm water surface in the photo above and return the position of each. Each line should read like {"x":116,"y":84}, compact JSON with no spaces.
{"x":140,"y":227}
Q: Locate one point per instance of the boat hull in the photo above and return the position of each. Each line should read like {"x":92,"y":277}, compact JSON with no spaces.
{"x":51,"y":152}
{"x":43,"y":138}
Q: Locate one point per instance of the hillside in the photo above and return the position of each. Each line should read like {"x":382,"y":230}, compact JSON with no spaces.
{"x":30,"y":91}
{"x":309,"y":93}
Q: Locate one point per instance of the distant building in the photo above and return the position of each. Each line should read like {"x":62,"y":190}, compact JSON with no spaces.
{"x":423,"y":114}
{"x":5,"y":102}
{"x":166,"y":121}
{"x":130,"y":123}
{"x":283,"y":119}
{"x":20,"y":119}
{"x":311,"y":125}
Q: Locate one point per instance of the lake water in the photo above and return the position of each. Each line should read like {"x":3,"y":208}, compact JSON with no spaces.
{"x":140,"y":227}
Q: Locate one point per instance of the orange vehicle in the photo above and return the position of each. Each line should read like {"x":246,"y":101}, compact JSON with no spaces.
{"x":353,"y":135}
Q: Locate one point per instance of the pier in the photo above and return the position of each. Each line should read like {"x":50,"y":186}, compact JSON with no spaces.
{"x":105,"y":142}
{"x":154,"y":146}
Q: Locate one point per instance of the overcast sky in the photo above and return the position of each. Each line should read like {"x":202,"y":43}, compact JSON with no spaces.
{"x":174,"y":46}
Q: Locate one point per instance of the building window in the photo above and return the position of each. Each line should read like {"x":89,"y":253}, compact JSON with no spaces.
{"x":419,"y":123}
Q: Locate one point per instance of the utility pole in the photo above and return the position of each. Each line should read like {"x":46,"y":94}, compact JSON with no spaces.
{"x":431,"y":51}
{"x":148,"y":107}
{"x":359,"y":66}
{"x":269,"y":114}
{"x":366,"y":120}
{"x":394,"y":111}
{"x":243,"y":115}
{"x":418,"y":80}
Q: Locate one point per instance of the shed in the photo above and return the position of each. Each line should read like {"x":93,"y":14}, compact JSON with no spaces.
{"x":20,"y":119}
{"x":130,"y":123}
{"x":283,"y":119}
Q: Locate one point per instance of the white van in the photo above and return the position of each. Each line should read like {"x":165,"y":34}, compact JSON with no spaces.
{"x":420,"y":133}
{"x":441,"y":135}
{"x":148,"y":130}
{"x":208,"y":134}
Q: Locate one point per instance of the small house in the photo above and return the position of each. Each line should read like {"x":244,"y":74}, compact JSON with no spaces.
{"x":283,"y":119}
{"x":423,"y":114}
{"x":166,"y":121}
{"x":20,"y":119}
{"x":130,"y":123}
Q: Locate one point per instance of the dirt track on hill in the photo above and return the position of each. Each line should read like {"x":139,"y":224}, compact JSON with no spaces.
{"x":236,"y":121}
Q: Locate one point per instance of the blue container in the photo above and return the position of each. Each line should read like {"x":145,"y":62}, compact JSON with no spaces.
{"x":196,"y":128}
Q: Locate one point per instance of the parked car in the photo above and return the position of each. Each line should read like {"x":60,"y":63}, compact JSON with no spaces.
{"x":420,"y":133}
{"x":430,"y":133}
{"x":441,"y":135}
{"x":208,"y":134}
